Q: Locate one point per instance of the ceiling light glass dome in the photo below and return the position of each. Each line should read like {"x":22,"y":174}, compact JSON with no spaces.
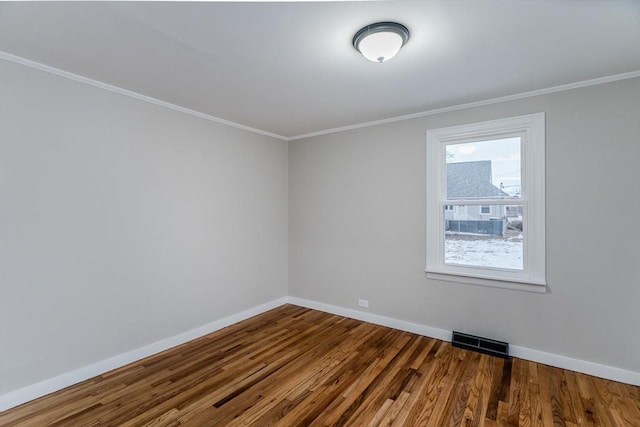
{"x":381,"y":41}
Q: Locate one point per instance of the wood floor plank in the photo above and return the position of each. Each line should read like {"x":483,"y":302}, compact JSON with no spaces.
{"x":524,"y":397}
{"x":383,"y":386}
{"x":515,"y":388}
{"x":604,"y":400}
{"x":392,"y":412}
{"x":496,"y":384}
{"x":340,"y":410}
{"x":293,"y":366}
{"x":421,"y":411}
{"x":441,"y":394}
{"x":629,"y":412}
{"x":535,"y":399}
{"x":319,"y":383}
{"x":421,"y":365}
{"x":459,"y":398}
{"x":552,"y":412}
{"x":537,"y":419}
{"x":476,"y":415}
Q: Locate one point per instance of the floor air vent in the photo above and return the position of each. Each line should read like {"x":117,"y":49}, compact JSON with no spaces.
{"x":483,"y":345}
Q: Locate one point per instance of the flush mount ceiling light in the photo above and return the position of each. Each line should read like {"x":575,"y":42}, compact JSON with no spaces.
{"x":381,"y":41}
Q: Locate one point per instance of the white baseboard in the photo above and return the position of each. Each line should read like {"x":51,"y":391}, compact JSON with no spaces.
{"x":33,"y":391}
{"x":564,"y":362}
{"x":374,"y":318}
{"x":577,"y":365}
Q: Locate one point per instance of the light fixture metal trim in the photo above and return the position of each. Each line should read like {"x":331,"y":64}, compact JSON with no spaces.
{"x":381,"y":27}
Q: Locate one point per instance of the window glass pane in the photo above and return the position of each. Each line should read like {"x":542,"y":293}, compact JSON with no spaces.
{"x":482,"y":170}
{"x":475,"y":239}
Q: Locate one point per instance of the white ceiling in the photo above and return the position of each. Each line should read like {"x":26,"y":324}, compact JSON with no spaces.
{"x":289,"y":68}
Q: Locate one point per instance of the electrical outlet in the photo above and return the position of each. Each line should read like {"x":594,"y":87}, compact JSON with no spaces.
{"x":363,"y":303}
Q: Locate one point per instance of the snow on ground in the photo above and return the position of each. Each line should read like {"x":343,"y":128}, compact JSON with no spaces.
{"x":485,"y":251}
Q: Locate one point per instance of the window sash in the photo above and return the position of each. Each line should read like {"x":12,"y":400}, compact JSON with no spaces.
{"x":530,"y":129}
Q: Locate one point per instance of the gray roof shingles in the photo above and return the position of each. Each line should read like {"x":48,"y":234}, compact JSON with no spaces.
{"x":471,"y":180}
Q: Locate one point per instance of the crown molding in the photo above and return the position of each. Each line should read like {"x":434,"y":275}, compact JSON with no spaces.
{"x":96,"y":83}
{"x":111,"y":88}
{"x":554,"y":89}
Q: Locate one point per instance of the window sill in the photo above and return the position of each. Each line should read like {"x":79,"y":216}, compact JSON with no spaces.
{"x":501,"y":283}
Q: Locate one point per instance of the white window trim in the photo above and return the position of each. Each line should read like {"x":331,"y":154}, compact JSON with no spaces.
{"x":531,"y":129}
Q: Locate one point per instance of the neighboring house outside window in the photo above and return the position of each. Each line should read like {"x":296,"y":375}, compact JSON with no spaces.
{"x":479,"y":232}
{"x":466,"y":179}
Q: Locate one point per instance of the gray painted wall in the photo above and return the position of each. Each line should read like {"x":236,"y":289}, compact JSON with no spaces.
{"x":123,"y":223}
{"x":357,"y":227}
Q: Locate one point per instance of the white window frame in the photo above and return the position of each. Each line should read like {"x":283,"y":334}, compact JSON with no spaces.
{"x":531,"y":129}
{"x":485,"y":206}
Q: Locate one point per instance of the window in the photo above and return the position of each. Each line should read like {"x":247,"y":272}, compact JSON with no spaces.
{"x":485,"y":203}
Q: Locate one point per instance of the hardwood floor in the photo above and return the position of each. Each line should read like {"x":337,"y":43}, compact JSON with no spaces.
{"x":293,"y":366}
